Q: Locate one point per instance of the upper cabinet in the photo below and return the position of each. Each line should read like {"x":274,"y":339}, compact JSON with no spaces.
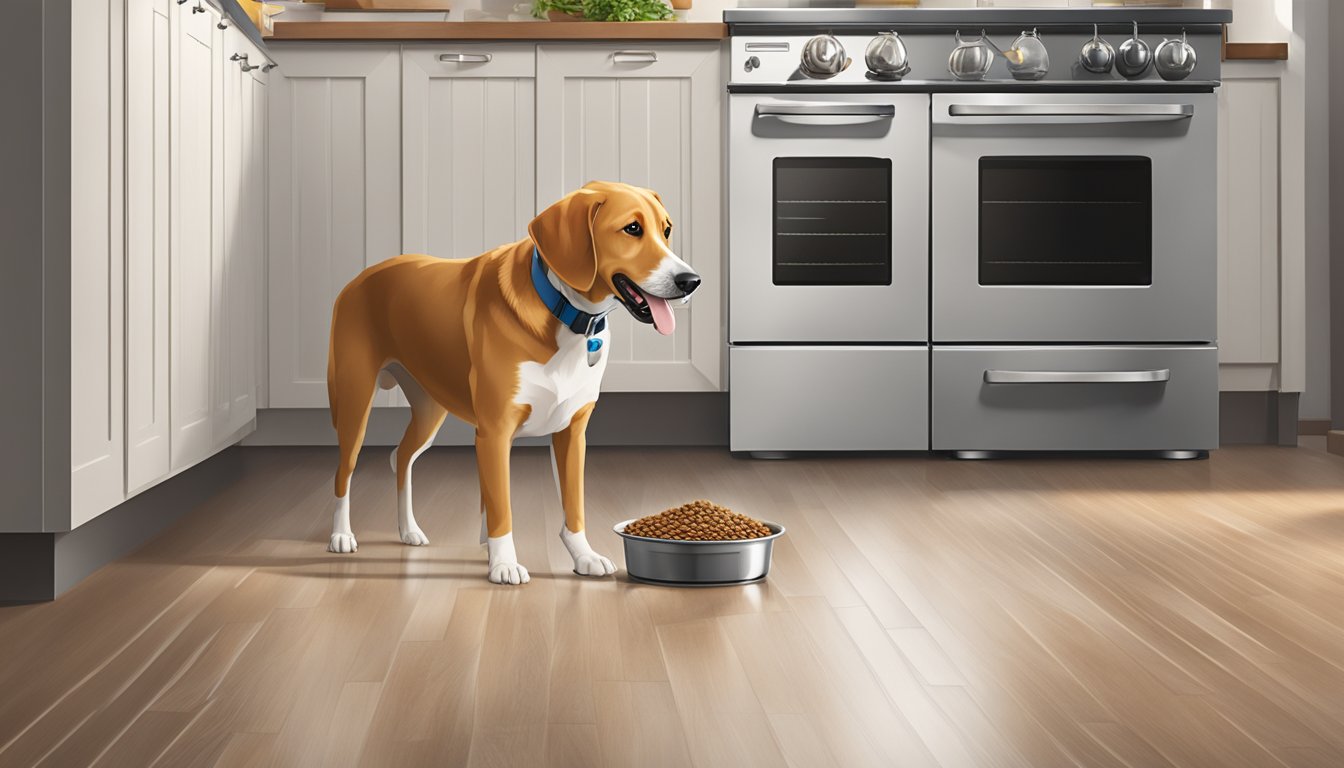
{"x":335,"y":198}
{"x":649,"y":116}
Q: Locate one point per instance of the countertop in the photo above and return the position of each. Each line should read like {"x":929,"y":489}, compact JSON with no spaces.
{"x":498,"y":30}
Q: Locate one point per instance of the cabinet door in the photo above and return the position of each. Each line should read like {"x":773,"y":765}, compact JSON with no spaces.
{"x":196,"y":232}
{"x":234,"y":289}
{"x":335,"y":120}
{"x":649,"y":117}
{"x":147,"y":232}
{"x":257,"y":158}
{"x":97,"y":378}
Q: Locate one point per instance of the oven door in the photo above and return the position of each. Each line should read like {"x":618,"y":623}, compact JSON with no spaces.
{"x":1074,"y":217}
{"x":828,"y":218}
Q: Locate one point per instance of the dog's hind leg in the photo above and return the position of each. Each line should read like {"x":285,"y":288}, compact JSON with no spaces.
{"x":426,"y":418}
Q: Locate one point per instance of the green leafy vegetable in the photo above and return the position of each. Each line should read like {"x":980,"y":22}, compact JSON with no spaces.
{"x":606,"y":10}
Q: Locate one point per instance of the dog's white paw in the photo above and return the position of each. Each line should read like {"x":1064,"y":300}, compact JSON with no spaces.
{"x":593,"y":564}
{"x":509,"y":573}
{"x":415,"y":537}
{"x":343,"y":543}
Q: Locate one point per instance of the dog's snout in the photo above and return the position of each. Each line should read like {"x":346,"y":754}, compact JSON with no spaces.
{"x":687,"y":282}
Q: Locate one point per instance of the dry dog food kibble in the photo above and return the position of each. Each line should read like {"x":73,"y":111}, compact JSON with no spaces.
{"x":699,"y":520}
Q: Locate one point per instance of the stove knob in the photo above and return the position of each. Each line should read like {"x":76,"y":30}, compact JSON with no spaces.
{"x":751,"y":63}
{"x":823,"y":57}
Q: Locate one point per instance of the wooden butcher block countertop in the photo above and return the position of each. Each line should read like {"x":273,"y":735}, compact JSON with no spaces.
{"x":499,"y":30}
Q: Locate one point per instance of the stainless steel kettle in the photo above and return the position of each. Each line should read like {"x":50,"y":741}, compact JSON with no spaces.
{"x":972,"y":58}
{"x":1174,"y":59}
{"x":1097,"y":55}
{"x":823,"y":57}
{"x":1027,"y":57}
{"x":886,"y":57}
{"x":1134,"y":56}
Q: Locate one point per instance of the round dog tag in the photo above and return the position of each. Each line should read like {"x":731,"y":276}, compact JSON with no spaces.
{"x":594,"y":351}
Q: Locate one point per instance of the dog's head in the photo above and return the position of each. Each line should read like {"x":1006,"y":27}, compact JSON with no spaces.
{"x":611,"y":239}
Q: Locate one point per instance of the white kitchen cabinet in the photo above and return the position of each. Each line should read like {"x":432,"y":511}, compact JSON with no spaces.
{"x":148,"y":46}
{"x":97,"y":335}
{"x":335,"y":198}
{"x":196,"y":243}
{"x":468,"y":147}
{"x":235,"y":290}
{"x":649,"y":116}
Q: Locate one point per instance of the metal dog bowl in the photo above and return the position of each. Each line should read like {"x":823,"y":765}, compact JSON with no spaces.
{"x":697,"y":563}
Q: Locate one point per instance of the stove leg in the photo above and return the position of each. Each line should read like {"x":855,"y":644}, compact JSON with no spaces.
{"x":972,"y":455}
{"x":1183,"y":455}
{"x":769,"y":455}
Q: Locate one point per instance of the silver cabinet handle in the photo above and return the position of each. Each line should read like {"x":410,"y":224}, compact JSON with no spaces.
{"x":1117,"y":113}
{"x":634,"y":57}
{"x":781,"y":47}
{"x":465,"y":58}
{"x":1077,"y":377}
{"x":825,"y":110}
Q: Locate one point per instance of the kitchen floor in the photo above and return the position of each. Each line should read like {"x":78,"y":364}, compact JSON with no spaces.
{"x":921,"y":611}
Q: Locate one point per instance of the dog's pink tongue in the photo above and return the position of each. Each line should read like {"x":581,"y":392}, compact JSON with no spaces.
{"x":663,"y":322}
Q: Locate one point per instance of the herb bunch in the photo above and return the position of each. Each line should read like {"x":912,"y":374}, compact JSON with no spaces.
{"x":606,"y":10}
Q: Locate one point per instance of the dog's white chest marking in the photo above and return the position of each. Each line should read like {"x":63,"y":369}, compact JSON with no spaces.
{"x":557,"y":389}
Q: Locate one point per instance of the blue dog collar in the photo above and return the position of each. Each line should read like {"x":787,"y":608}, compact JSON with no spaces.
{"x":573,"y":318}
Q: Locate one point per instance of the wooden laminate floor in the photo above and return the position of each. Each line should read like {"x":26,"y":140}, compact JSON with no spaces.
{"x":920,"y":612}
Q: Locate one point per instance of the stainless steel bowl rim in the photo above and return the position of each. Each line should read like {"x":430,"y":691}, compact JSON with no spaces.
{"x":776,"y":528}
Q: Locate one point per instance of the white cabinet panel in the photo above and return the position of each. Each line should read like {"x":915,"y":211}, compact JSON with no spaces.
{"x":1248,"y":236}
{"x":468,"y":171}
{"x":197,"y":236}
{"x":147,"y":233}
{"x":97,"y":400}
{"x":655,"y":123}
{"x":335,"y":121}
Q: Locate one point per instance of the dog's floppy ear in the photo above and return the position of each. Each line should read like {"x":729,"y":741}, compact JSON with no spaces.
{"x":563,"y":235}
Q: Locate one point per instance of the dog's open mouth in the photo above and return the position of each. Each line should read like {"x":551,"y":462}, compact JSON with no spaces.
{"x":645,"y":307}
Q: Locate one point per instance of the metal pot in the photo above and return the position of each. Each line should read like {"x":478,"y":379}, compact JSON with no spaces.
{"x":1097,"y":55}
{"x":971,"y":59}
{"x":823,"y":57}
{"x":1174,"y":59}
{"x":886,"y":57}
{"x":1134,"y":56}
{"x":1027,"y":58}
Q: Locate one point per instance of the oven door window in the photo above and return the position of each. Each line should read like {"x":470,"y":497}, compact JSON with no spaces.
{"x":1066,"y":221}
{"x":832,"y":221}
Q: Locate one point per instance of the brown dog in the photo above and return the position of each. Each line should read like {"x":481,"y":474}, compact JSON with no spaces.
{"x":512,"y":341}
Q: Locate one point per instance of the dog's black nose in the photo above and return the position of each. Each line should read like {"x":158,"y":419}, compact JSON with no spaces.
{"x":687,"y":282}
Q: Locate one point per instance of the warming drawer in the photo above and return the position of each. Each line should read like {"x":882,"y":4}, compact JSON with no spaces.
{"x":829,"y":398}
{"x":1075,"y":398}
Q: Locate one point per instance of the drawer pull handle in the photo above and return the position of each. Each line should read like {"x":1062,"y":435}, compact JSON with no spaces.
{"x":466,"y":58}
{"x":635,"y":57}
{"x":1077,"y":377}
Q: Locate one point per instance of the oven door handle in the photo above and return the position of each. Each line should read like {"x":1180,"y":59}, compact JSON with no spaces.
{"x":826,"y":114}
{"x":1092,"y":113}
{"x":1077,"y":377}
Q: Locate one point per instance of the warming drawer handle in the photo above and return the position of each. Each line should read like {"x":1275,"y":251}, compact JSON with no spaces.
{"x":466,"y":58}
{"x":826,"y":110}
{"x":1077,"y":377}
{"x":1108,"y":112}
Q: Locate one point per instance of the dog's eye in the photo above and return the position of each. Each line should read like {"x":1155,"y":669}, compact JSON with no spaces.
{"x":667,"y":233}
{"x":633,"y":228}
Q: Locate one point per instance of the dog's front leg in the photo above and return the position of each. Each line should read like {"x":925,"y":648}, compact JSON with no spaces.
{"x":492,"y":460}
{"x":568,"y":447}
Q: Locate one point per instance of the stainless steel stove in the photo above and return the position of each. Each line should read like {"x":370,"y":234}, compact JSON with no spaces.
{"x":973,"y":230}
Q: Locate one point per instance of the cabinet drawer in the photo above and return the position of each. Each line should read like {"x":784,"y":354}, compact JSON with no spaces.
{"x":473,"y":59}
{"x":823,"y":398}
{"x":1075,"y":398}
{"x":633,"y":59}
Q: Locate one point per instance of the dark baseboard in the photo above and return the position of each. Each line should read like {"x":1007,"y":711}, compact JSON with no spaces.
{"x":1262,"y":418}
{"x":621,"y":418}
{"x":41,"y":566}
{"x":1313,"y":426}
